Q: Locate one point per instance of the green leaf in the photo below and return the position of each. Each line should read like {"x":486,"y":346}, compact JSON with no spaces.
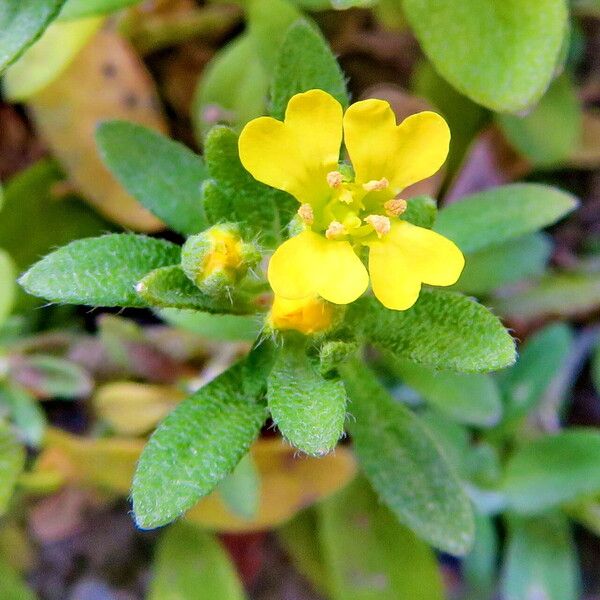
{"x":233,"y":88}
{"x":550,"y":133}
{"x":305,"y":63}
{"x":494,"y":216}
{"x":76,"y":9}
{"x":502,"y":55}
{"x":541,"y":560}
{"x":479,"y":566}
{"x":214,"y":326}
{"x":168,"y":287}
{"x":25,"y":412}
{"x":404,"y":465}
{"x":233,"y":195}
{"x":421,"y":211}
{"x":45,"y":60}
{"x":12,"y":585}
{"x":100,"y":271}
{"x":240,"y":491}
{"x":191,"y":564}
{"x":559,"y":294}
{"x":308,"y":409}
{"x":198,"y":445}
{"x":508,"y":262}
{"x":540,"y":361}
{"x":7,"y":285}
{"x":162,"y":174}
{"x":473,"y":399}
{"x":12,"y":461}
{"x":370,"y":555}
{"x":21,"y":23}
{"x":595,"y":368}
{"x":552,"y":470}
{"x":443,"y":330}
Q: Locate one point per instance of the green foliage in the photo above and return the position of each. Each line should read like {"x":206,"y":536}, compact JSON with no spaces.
{"x":25,"y":413}
{"x":233,"y":88}
{"x":370,"y":555}
{"x":172,"y":192}
{"x":595,"y":368}
{"x":232,"y":194}
{"x":191,"y":564}
{"x":240,"y":490}
{"x":21,"y":23}
{"x":198,"y":445}
{"x":501,"y":55}
{"x":308,"y":409}
{"x":405,"y":467}
{"x":442,"y":330}
{"x":540,"y":360}
{"x":469,"y":398}
{"x":7,"y":285}
{"x":540,"y":560}
{"x":560,"y":294}
{"x":100,"y":271}
{"x":494,"y":216}
{"x":305,"y":63}
{"x":549,"y":134}
{"x":12,"y":461}
{"x":508,"y":262}
{"x":168,"y":287}
{"x":12,"y":585}
{"x":553,"y":470}
{"x":479,"y":566}
{"x":421,"y":211}
{"x":76,"y":9}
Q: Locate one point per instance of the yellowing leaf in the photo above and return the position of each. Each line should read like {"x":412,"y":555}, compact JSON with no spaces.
{"x":288,"y":483}
{"x":105,"y":81}
{"x":135,"y":408}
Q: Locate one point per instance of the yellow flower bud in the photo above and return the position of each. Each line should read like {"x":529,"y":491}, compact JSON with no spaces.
{"x":307,"y":315}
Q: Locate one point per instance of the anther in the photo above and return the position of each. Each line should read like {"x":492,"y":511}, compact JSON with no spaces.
{"x":305,"y":212}
{"x":335,"y":230}
{"x":380,"y":224}
{"x":334,"y":179}
{"x":395,"y":207}
{"x":376,"y":185}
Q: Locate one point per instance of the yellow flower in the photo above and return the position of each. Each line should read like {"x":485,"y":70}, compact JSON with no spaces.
{"x":343,"y":211}
{"x":307,"y":315}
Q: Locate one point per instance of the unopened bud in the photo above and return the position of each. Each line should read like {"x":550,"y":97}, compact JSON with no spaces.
{"x":218,"y":258}
{"x":307,"y":315}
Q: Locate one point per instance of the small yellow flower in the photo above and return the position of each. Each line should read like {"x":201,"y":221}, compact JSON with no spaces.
{"x":342,"y":213}
{"x":307,"y":315}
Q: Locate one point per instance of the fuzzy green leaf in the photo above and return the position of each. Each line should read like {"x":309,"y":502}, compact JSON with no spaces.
{"x":550,"y":133}
{"x":198,"y":445}
{"x":443,"y":330}
{"x":168,"y":287}
{"x":21,"y":23}
{"x":305,"y":63}
{"x":470,"y":398}
{"x":12,"y":461}
{"x":541,"y":560}
{"x":402,"y":461}
{"x":190,"y":563}
{"x":240,"y":491}
{"x":552,"y":470}
{"x":76,"y":9}
{"x":233,"y":195}
{"x":370,"y":555}
{"x":420,"y":211}
{"x":100,"y":271}
{"x":501,"y":54}
{"x":509,"y":262}
{"x":308,"y":409}
{"x":494,"y":216}
{"x":162,"y":174}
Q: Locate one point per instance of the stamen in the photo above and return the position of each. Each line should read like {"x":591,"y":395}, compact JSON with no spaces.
{"x":380,"y":224}
{"x":305,"y":212}
{"x":335,"y":230}
{"x":334,"y":179}
{"x":376,"y":185}
{"x":395,"y":207}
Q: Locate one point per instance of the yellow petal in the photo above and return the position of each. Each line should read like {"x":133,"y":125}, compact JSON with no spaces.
{"x":311,"y":265}
{"x":408,"y":256}
{"x":403,"y":154}
{"x":296,"y":155}
{"x":307,"y":315}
